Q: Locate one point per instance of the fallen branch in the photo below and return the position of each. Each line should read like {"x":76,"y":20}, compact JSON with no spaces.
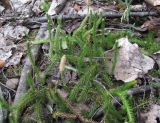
{"x":138,"y":90}
{"x":27,"y":68}
{"x":40,"y":20}
{"x":106,"y":14}
{"x":56,"y":6}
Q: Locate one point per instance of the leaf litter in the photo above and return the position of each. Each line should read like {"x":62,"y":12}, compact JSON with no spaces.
{"x":10,"y":50}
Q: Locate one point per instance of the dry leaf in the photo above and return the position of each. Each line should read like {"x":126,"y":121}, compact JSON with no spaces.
{"x":77,"y":7}
{"x":152,"y":25}
{"x":88,"y":2}
{"x":15,"y":59}
{"x":15,"y":32}
{"x":153,"y":2}
{"x":10,"y":52}
{"x":12,"y":83}
{"x":2,"y":63}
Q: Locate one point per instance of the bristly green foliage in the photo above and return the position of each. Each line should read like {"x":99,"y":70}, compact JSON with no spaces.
{"x":111,"y":114}
{"x":126,"y":13}
{"x":148,"y":44}
{"x":115,"y":56}
{"x":32,"y":60}
{"x":126,"y":106}
{"x":84,"y":50}
{"x":156,"y":85}
{"x":83,"y":84}
{"x":89,"y":46}
{"x":155,"y":73}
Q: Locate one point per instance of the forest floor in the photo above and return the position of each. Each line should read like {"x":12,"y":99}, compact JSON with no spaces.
{"x":80,"y":61}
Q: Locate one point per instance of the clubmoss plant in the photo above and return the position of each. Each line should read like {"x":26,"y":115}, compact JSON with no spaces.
{"x":84,"y":54}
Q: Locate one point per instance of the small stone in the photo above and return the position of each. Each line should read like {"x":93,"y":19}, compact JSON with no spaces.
{"x":131,"y":63}
{"x":12,"y":83}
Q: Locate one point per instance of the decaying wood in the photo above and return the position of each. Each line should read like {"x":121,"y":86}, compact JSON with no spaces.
{"x":56,"y":6}
{"x":40,"y":20}
{"x":27,"y":68}
{"x":106,"y":14}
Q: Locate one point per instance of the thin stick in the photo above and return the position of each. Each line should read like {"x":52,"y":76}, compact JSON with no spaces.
{"x":106,"y":14}
{"x":115,"y":100}
{"x":39,"y":20}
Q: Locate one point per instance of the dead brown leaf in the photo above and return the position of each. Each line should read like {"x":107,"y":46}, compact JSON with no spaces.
{"x":152,"y":25}
{"x":77,"y":7}
{"x":2,"y":63}
{"x":6,"y":4}
{"x":153,"y":2}
{"x":12,"y":83}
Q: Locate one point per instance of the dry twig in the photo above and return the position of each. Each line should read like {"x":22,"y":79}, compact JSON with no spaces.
{"x":106,"y":14}
{"x":40,"y":20}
